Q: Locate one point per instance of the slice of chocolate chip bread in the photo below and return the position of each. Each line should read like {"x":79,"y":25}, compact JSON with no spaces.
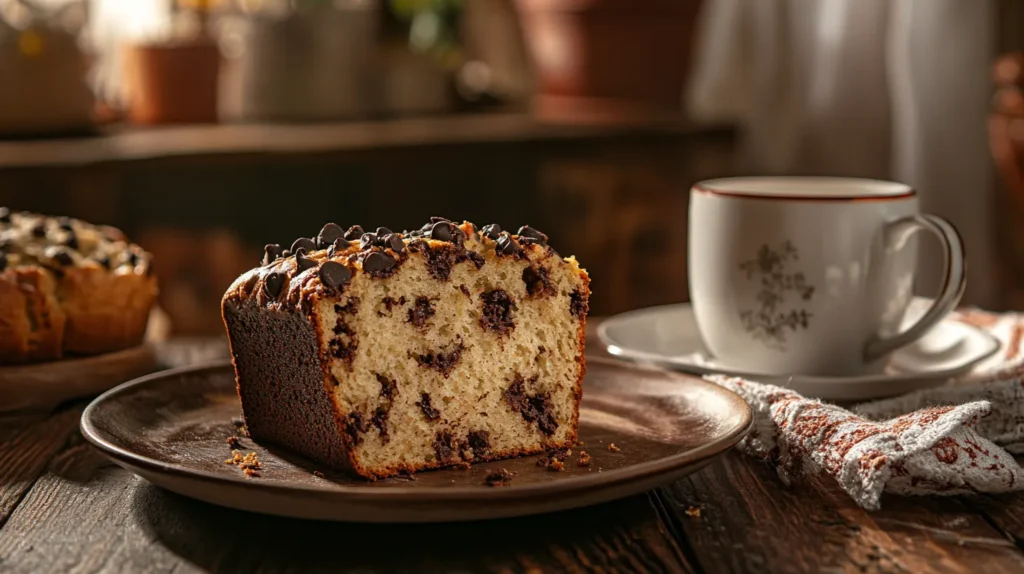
{"x":69,"y":287}
{"x":388,"y":352}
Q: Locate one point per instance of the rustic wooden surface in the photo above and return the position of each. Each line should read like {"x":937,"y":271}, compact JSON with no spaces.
{"x":65,"y":508}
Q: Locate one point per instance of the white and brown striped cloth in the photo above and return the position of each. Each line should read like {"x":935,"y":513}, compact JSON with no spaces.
{"x":954,"y":439}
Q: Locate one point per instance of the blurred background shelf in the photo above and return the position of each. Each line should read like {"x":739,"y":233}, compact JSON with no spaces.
{"x":147,"y":143}
{"x":205,"y":199}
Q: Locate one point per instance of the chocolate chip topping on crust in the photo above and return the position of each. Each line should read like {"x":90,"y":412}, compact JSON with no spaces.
{"x":492,"y":231}
{"x":303,"y":243}
{"x":56,"y":243}
{"x":340,"y":244}
{"x":271,"y":253}
{"x":506,"y":245}
{"x":378,"y":264}
{"x":273,"y":284}
{"x":328,"y":235}
{"x":301,"y":262}
{"x":334,"y":274}
{"x":527,"y":232}
{"x":354,"y":233}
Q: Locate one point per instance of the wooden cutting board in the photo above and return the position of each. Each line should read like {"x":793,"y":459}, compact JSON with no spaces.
{"x":42,"y":386}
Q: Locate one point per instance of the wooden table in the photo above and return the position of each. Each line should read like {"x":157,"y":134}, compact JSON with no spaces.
{"x":65,"y":508}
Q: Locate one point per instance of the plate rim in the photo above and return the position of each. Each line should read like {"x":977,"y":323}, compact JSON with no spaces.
{"x":676,"y":365}
{"x":366,"y":493}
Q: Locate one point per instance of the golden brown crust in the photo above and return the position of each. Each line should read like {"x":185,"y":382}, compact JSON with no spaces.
{"x":105,"y":311}
{"x":69,"y":287}
{"x":32,"y":323}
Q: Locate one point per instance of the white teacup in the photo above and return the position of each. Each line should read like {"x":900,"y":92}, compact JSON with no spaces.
{"x":810,"y":275}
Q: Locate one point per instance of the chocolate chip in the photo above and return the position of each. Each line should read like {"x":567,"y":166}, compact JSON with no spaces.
{"x":304,"y":243}
{"x":273,"y":284}
{"x":435,"y":219}
{"x":491,"y":231}
{"x":340,"y":244}
{"x":65,"y":223}
{"x":377,"y":262}
{"x":382,"y":231}
{"x":367,"y":240}
{"x":286,"y":253}
{"x":394,"y":242}
{"x":422,"y":310}
{"x":578,"y":305}
{"x":441,"y":231}
{"x":429,"y":412}
{"x":271,"y":253}
{"x":3,"y":261}
{"x":334,"y":274}
{"x":328,"y":235}
{"x":5,"y":215}
{"x":39,"y":230}
{"x":506,"y":245}
{"x":458,"y":237}
{"x":61,"y":256}
{"x":527,"y":231}
{"x":71,"y":241}
{"x":302,"y":262}
{"x":354,"y":232}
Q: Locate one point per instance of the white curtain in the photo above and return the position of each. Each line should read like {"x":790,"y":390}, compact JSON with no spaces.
{"x":891,"y":89}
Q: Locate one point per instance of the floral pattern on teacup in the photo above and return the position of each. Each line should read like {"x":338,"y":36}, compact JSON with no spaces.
{"x":775,"y":315}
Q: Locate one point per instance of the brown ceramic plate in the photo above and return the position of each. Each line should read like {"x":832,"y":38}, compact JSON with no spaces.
{"x":170,"y":428}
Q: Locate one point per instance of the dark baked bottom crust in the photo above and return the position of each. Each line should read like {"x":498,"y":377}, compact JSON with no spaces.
{"x":285,"y":399}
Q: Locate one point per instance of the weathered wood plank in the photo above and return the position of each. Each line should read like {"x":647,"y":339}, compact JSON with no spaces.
{"x":1004,"y":512}
{"x":750,"y":522}
{"x":85,"y":515}
{"x":27,"y":443}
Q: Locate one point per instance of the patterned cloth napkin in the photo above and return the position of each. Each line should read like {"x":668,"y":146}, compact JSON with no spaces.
{"x":953,"y":439}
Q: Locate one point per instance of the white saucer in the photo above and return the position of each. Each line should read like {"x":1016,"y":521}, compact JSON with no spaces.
{"x":667,"y":336}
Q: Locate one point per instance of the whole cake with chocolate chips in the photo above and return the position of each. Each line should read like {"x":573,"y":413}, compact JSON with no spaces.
{"x":69,"y":287}
{"x":381,"y":352}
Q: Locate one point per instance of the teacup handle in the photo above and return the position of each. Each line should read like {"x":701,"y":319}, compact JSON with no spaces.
{"x":895,"y":236}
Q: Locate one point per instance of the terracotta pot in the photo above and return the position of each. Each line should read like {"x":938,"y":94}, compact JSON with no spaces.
{"x":609,"y":60}
{"x":172,"y":83}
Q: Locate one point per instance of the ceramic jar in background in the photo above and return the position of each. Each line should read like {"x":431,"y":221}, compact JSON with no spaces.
{"x":313,"y":64}
{"x":43,"y":86}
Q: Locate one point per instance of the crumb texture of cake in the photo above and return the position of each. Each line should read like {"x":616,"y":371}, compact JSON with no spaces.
{"x":381,"y":352}
{"x":69,"y":287}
